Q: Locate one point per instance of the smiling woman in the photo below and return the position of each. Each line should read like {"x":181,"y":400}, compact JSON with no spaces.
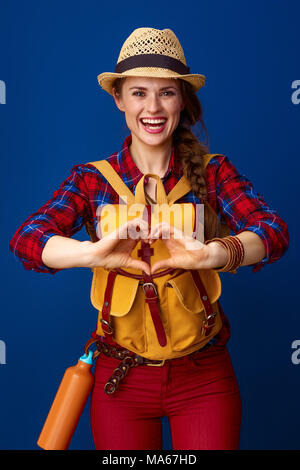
{"x":154,"y":103}
{"x":157,"y":296}
{"x":152,"y":108}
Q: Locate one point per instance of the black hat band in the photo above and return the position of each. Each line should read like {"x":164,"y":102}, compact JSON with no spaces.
{"x":152,"y":60}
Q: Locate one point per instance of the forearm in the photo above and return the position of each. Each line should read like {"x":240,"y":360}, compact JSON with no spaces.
{"x":63,"y":252}
{"x":254,"y":250}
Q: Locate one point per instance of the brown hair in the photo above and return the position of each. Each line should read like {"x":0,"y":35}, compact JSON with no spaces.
{"x":190,"y":151}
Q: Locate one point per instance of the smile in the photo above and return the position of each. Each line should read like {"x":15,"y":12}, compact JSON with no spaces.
{"x":153,"y":125}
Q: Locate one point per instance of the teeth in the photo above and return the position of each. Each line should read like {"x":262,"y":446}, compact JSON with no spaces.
{"x":153,"y":121}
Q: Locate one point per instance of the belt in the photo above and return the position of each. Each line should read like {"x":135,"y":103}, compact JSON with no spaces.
{"x":129,"y":359}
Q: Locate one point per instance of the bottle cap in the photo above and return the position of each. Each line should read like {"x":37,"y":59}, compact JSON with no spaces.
{"x":87,"y":359}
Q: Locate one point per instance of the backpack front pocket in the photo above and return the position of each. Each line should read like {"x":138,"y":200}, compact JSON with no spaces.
{"x":186,"y":312}
{"x":127,"y":313}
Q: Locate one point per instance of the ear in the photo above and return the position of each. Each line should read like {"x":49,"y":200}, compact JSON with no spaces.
{"x":182,"y":106}
{"x":118,"y":100}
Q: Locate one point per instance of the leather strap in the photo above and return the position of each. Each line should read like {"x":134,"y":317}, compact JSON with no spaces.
{"x":151,"y":294}
{"x":129,"y":360}
{"x":140,"y":197}
{"x":140,"y":276}
{"x":105,"y":314}
{"x":209,"y":321}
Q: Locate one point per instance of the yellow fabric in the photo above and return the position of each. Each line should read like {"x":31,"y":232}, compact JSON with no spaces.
{"x":182,"y":311}
{"x":114,"y":180}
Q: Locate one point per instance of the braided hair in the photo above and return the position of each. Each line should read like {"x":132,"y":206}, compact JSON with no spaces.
{"x":190,"y":151}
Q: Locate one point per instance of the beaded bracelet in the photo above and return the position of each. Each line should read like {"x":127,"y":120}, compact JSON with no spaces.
{"x":235,"y":250}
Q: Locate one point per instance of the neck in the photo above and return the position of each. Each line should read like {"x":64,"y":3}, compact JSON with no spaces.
{"x":151,"y":159}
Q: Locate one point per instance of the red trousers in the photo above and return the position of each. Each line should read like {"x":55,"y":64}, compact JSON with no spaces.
{"x":199,"y":395}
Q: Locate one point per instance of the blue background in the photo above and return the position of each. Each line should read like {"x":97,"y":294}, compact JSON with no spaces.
{"x":56,"y":116}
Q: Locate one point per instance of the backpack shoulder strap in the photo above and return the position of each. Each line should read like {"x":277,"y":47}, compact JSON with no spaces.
{"x":114,"y":179}
{"x":182,"y":187}
{"x":208,"y":156}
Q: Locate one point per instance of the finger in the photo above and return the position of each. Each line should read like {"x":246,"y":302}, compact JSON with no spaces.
{"x":167,"y":231}
{"x":140,"y":265}
{"x":113,"y":239}
{"x":161,"y":230}
{"x":164,"y":263}
{"x":124,"y":231}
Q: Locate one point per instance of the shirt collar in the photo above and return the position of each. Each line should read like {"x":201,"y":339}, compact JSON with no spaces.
{"x":131,"y":173}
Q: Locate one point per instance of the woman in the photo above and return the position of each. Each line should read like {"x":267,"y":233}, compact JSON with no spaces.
{"x":192,"y":381}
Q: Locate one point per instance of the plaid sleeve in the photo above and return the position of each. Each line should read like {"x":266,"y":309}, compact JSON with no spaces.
{"x":64,"y":214}
{"x":245,"y":209}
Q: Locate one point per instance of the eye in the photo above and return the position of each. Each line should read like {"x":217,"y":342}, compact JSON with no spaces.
{"x":136,"y":93}
{"x":169,"y":93}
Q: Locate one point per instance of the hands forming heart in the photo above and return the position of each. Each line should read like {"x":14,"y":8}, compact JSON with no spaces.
{"x":114,"y":250}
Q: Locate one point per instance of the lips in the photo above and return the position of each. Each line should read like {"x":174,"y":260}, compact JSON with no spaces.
{"x":154,"y":125}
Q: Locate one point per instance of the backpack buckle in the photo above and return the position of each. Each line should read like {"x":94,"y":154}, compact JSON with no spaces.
{"x":159,"y":364}
{"x":110,"y":329}
{"x":208,"y":324}
{"x":153,"y":286}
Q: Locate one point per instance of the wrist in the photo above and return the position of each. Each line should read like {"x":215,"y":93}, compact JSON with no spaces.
{"x":235,"y":250}
{"x":87,"y":256}
{"x":219,"y":255}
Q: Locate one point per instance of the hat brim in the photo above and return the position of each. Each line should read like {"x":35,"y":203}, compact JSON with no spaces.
{"x":106,"y":79}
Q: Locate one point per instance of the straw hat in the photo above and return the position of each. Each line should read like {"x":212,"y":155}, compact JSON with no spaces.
{"x":150,"y":52}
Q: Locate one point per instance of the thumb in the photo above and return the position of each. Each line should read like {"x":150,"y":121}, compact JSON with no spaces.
{"x":164,"y":263}
{"x":137,"y":264}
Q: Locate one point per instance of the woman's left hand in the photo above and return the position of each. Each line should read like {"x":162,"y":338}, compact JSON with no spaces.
{"x":186,"y":252}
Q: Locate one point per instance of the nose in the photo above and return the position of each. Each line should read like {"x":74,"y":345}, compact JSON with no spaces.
{"x":153,"y":103}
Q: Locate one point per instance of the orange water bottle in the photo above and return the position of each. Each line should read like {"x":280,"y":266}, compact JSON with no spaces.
{"x":68,"y":405}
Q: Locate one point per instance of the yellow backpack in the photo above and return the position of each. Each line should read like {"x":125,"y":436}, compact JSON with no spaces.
{"x":169,"y":314}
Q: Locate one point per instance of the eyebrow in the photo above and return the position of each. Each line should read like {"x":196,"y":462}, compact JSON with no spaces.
{"x":143,"y":88}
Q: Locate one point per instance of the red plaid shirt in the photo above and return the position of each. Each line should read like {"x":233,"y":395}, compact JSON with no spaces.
{"x":75,"y":203}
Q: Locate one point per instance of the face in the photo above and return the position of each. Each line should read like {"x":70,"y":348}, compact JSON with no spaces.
{"x":152,"y":108}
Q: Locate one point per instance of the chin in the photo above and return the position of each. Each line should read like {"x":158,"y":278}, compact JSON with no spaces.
{"x":154,"y":139}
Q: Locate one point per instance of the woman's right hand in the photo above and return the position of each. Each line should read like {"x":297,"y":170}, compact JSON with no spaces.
{"x":114,"y":250}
